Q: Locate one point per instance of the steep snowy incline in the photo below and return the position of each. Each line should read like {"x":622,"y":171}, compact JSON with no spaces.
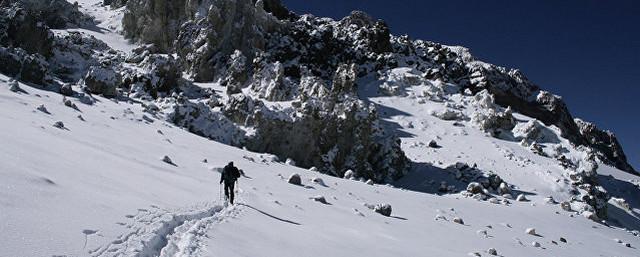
{"x":99,"y":170}
{"x":98,"y":187}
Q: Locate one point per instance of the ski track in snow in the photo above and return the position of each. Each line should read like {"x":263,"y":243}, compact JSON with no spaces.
{"x":158,"y":232}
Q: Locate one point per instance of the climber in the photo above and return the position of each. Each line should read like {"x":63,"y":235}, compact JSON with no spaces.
{"x":229,"y":176}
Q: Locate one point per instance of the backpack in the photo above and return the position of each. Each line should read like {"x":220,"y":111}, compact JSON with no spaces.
{"x":231,"y":174}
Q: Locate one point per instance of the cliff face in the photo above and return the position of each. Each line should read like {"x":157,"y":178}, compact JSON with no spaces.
{"x":606,"y":145}
{"x":263,"y":46}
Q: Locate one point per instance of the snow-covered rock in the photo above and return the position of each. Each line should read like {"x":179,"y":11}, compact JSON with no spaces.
{"x":522,"y":198}
{"x":383,"y":209}
{"x":101,"y":80}
{"x":475,"y":188}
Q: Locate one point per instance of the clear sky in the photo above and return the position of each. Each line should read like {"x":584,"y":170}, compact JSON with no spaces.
{"x":586,"y":51}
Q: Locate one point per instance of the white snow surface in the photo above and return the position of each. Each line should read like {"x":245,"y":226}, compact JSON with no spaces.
{"x":107,"y":27}
{"x":99,"y":187}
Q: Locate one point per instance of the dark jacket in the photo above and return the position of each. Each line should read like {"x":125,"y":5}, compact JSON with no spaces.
{"x":229,"y":174}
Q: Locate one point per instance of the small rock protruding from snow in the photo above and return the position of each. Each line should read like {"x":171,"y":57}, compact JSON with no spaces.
{"x":522,"y":198}
{"x":504,"y":188}
{"x":458,"y":220}
{"x":562,"y":239}
{"x":167,"y":160}
{"x":383,"y":209}
{"x":535,"y":244}
{"x":492,"y":251}
{"x":43,"y":109}
{"x":295,"y":179}
{"x":369,"y":182}
{"x":618,"y":241}
{"x":59,"y":125}
{"x":531,"y":231}
{"x":475,"y":188}
{"x":290,"y":162}
{"x":318,"y":181}
{"x":433,"y":144}
{"x":14,"y":86}
{"x":590,"y":215}
{"x":550,"y":200}
{"x":627,"y":245}
{"x":69,"y":103}
{"x":565,"y":206}
{"x":320,"y":199}
{"x":66,"y":90}
{"x":349,"y":174}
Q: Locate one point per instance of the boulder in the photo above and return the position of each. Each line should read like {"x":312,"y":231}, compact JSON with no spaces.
{"x":318,"y":181}
{"x":101,"y":80}
{"x":522,"y":198}
{"x":504,"y":189}
{"x":349,"y":174}
{"x":531,"y":231}
{"x":475,"y":188}
{"x":320,"y":199}
{"x":295,"y":179}
{"x":383,"y":209}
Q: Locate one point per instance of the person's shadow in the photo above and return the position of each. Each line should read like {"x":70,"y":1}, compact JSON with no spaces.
{"x":269,"y":215}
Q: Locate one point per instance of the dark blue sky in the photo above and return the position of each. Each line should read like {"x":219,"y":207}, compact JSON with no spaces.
{"x":587,"y":51}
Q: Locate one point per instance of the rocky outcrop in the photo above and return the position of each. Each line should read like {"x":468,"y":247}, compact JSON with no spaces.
{"x":260,"y":51}
{"x":26,"y":67}
{"x":21,"y":28}
{"x":606,"y":144}
{"x":56,"y":14}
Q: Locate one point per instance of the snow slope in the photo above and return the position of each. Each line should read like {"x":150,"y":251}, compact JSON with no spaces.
{"x":99,"y":187}
{"x":107,"y":27}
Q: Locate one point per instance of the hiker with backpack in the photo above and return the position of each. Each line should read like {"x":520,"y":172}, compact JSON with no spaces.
{"x":230,"y":175}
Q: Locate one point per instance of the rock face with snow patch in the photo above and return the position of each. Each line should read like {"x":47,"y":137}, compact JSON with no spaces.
{"x":606,"y":144}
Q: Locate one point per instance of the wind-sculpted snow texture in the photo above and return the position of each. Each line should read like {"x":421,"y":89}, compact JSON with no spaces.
{"x":113,"y":147}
